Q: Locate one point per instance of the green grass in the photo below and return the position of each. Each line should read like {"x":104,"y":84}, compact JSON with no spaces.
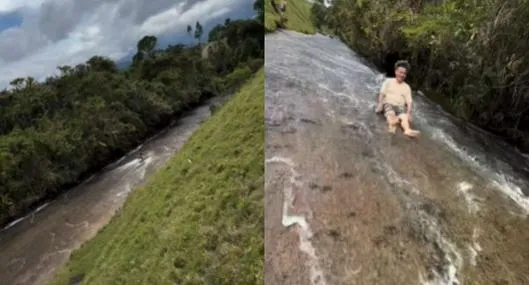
{"x":298,"y":15}
{"x":198,"y":222}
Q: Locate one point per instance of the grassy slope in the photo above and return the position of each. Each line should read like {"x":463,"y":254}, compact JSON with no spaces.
{"x":198,"y":222}
{"x":298,"y":14}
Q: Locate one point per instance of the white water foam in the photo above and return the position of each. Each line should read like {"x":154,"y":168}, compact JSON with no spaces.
{"x":396,"y":179}
{"x":474,"y":248}
{"x":40,"y":208}
{"x":472,"y":201}
{"x":512,"y":191}
{"x":14,"y":223}
{"x":498,"y":180}
{"x":83,"y":224}
{"x":452,"y":257}
{"x":125,"y":191}
{"x":89,"y":179}
{"x":304,"y":231}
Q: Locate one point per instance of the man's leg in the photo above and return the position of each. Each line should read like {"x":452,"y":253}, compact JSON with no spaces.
{"x":392,"y":120}
{"x":405,"y":123}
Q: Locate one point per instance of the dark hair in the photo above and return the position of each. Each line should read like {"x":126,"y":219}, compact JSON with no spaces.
{"x":404,"y":64}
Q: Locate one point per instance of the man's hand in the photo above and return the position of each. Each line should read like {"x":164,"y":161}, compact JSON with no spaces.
{"x":379,"y":108}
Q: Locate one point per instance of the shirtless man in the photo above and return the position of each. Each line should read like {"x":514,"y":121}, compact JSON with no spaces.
{"x":396,"y":102}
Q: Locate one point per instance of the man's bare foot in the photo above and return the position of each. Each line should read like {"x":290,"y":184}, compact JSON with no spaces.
{"x":412,"y":133}
{"x":392,"y":129}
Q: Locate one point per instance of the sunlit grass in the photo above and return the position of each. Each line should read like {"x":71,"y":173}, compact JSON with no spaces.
{"x":298,"y":17}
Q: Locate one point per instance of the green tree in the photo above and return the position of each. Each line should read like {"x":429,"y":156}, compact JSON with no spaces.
{"x":147,"y":44}
{"x":145,"y":49}
{"x":216,"y":33}
{"x":99,"y":63}
{"x":198,"y":32}
{"x":189,"y":31}
{"x":258,"y":6}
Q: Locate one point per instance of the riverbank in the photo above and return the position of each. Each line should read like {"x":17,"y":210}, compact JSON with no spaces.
{"x":200,"y":219}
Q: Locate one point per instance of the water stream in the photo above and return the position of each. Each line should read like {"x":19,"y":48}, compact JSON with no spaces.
{"x":34,"y":247}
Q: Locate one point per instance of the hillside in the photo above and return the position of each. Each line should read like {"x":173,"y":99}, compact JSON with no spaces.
{"x":197,"y":221}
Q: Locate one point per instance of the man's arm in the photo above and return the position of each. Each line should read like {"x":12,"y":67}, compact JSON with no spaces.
{"x":409,"y":104}
{"x":379,"y":102}
{"x":381,"y":96}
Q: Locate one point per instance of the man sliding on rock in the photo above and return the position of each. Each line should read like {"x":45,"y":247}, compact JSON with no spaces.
{"x":395,"y":100}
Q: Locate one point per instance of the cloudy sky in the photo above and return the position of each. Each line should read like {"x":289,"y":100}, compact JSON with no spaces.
{"x":36,"y":36}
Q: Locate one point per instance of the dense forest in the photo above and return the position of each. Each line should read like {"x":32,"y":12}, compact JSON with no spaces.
{"x":470,"y":56}
{"x":57,"y":132}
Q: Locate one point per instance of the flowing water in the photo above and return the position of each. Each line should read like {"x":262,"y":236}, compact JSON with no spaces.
{"x":348,"y":203}
{"x":34,"y":247}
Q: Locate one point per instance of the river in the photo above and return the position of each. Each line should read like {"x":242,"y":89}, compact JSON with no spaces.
{"x":349,"y":203}
{"x":33,"y":248}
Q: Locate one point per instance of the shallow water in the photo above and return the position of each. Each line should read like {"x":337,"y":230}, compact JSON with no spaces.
{"x":34,"y":247}
{"x":348,"y":203}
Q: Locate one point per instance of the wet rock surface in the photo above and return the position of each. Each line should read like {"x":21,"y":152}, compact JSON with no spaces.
{"x":348,"y":203}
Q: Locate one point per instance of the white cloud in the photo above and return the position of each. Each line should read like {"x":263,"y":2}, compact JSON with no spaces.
{"x":68,"y":32}
{"x":176,"y":17}
{"x":7,"y":6}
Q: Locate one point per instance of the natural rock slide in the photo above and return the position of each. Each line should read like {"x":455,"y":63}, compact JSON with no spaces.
{"x":348,"y":203}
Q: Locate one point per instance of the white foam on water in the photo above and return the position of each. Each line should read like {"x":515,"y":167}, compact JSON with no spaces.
{"x":395,"y":178}
{"x":304,"y":230}
{"x":475,"y":236}
{"x":473,"y":255}
{"x":125,"y":191}
{"x":453,"y":260}
{"x":354,"y":101}
{"x":40,"y":208}
{"x":499,"y":180}
{"x":326,"y":88}
{"x":83,"y":224}
{"x":144,"y":164}
{"x":331,"y":114}
{"x":14,"y":223}
{"x":128,"y":165}
{"x":89,"y":179}
{"x":117,"y":162}
{"x":473,"y":207}
{"x":471,"y":200}
{"x":32,"y":215}
{"x":514,"y":192}
{"x":474,"y":248}
{"x":452,"y":145}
